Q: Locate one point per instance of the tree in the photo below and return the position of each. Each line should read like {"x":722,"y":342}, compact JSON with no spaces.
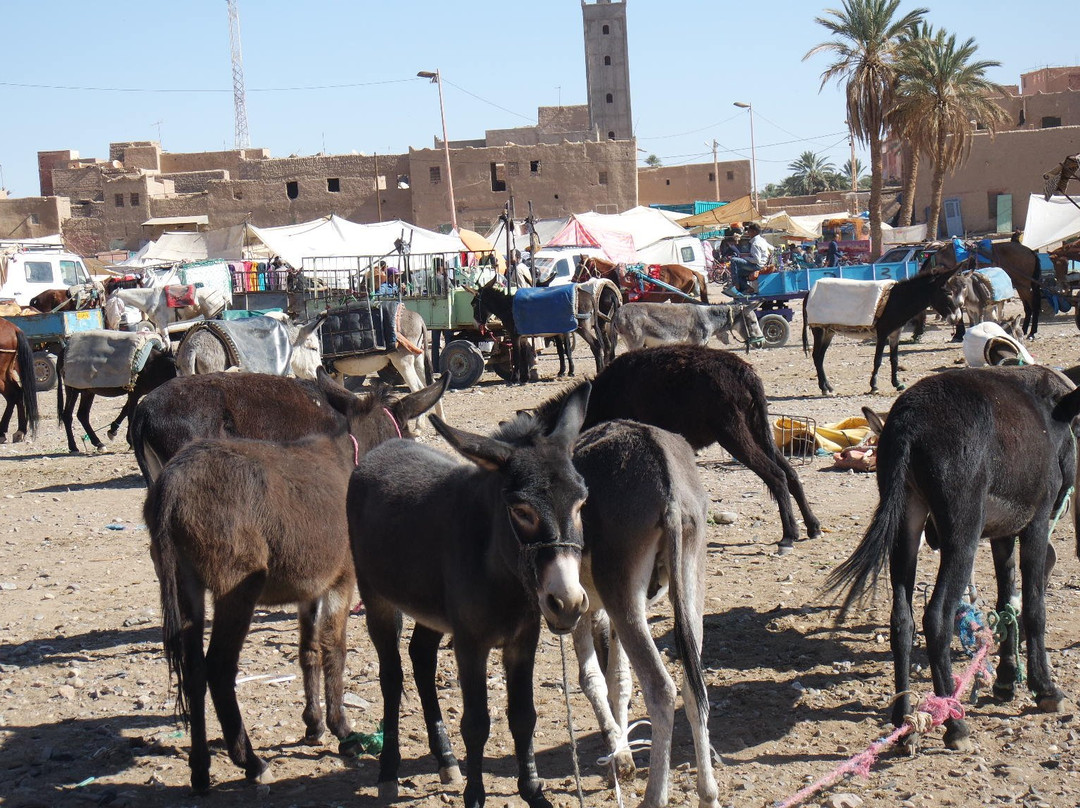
{"x":946,"y":89}
{"x":812,"y":173}
{"x":904,"y":124}
{"x":842,"y":179}
{"x":867,"y":38}
{"x":652,"y":161}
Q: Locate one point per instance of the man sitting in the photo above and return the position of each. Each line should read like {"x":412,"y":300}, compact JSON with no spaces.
{"x":747,"y":268}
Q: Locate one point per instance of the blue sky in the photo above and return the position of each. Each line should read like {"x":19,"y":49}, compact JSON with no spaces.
{"x":337,"y":76}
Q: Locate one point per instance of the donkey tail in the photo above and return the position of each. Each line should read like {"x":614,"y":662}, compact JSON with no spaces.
{"x":167,"y":564}
{"x":862,"y":568}
{"x":425,"y":346}
{"x":24,"y":356}
{"x":805,"y":341}
{"x":682,"y":600}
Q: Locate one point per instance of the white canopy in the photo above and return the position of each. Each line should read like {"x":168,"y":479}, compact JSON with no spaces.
{"x":1050,"y":223}
{"x":334,"y":237}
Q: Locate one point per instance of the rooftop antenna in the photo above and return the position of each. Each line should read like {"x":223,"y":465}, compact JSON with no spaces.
{"x":241,"y":138}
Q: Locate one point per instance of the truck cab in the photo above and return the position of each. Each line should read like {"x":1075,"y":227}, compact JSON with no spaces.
{"x":26,"y":272}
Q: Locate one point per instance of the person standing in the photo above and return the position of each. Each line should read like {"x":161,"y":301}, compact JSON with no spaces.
{"x":832,"y":254}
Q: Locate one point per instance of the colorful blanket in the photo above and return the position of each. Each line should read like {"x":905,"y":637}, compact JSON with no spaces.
{"x":98,"y":360}
{"x":546,"y":310}
{"x":177,"y":297}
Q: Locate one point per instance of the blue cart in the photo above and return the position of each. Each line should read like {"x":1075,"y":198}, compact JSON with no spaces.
{"x":48,"y":334}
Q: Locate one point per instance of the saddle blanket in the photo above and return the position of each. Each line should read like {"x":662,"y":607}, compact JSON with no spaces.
{"x":254,"y":345}
{"x":96,"y":360}
{"x":546,"y":310}
{"x":360,"y":328}
{"x":998,"y":280}
{"x":176,"y":297}
{"x":839,"y":301}
{"x":979,"y":339}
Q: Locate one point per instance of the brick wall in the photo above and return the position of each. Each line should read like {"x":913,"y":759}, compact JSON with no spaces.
{"x":673,"y":185}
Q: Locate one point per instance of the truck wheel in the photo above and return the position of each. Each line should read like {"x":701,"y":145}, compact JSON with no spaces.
{"x":44,"y":371}
{"x":463,"y":361}
{"x":775,"y":329}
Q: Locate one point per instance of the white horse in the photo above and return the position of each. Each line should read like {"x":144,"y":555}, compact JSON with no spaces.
{"x":414,"y":367}
{"x":154,"y":305}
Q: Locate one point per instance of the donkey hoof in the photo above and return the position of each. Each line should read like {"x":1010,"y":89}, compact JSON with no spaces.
{"x":450,"y":775}
{"x":18,"y":437}
{"x":264,"y":778}
{"x":623,"y":761}
{"x":959,"y":740}
{"x":3,"y":438}
{"x":313,"y":737}
{"x":111,"y":434}
{"x":909,"y":744}
{"x":1004,"y":692}
{"x":388,"y":791}
{"x":784,"y":547}
{"x":901,"y":387}
{"x":1050,"y":702}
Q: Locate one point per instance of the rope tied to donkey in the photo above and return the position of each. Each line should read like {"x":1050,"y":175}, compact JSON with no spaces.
{"x":933,"y":711}
{"x":570,"y":722}
{"x":1006,"y":625}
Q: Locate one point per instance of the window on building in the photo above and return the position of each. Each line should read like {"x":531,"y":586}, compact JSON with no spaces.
{"x":712,"y":177}
{"x":1050,"y":120}
{"x":435,"y":175}
{"x":333,"y":185}
{"x":512,"y":169}
{"x":556,"y":196}
{"x":605,"y":30}
{"x":667,"y":182}
{"x":292,"y":189}
{"x":134,"y":199}
{"x":611,"y":135}
{"x":35,"y":219}
{"x":534,"y":166}
{"x":607,"y":60}
{"x":38,"y":271}
{"x":731,"y":175}
{"x":603,"y":178}
{"x":118,"y":199}
{"x":380,"y":182}
{"x":609,"y":98}
{"x":498,"y":177}
{"x":237,"y":194}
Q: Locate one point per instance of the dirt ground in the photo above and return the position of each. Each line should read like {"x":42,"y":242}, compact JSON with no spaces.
{"x":86,"y":710}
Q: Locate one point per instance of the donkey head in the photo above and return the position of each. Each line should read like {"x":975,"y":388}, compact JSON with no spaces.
{"x":941,"y":300}
{"x":306,"y":350}
{"x":541,"y":495}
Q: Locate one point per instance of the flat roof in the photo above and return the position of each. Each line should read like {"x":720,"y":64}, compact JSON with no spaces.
{"x":168,"y":220}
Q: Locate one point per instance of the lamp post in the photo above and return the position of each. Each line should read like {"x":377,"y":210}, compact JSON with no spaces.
{"x":436,"y":78}
{"x":753,"y":153}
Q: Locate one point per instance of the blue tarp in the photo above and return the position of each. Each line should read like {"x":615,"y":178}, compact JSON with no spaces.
{"x":551,"y":310}
{"x":999,"y":282}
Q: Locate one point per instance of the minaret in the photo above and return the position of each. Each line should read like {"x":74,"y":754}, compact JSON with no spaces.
{"x":607,"y":69}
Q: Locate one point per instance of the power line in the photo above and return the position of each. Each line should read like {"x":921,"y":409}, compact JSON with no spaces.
{"x":486,"y":101}
{"x":195,"y":90}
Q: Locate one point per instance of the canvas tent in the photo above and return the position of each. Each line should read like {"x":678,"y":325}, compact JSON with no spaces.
{"x":1050,"y":223}
{"x":617,"y":247}
{"x":173,"y":248}
{"x":738,"y":210}
{"x":519,"y":234}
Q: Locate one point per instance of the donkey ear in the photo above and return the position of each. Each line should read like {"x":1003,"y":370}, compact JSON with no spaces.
{"x":487,"y":453}
{"x":311,"y":327}
{"x":416,"y":404}
{"x":568,"y":422}
{"x":875,"y":420}
{"x":1068,"y":407}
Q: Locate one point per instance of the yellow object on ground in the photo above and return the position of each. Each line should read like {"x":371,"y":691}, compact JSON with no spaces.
{"x":830,"y":437}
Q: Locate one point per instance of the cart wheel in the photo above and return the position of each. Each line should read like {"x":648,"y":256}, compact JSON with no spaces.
{"x":463,"y":361}
{"x":775,"y":329}
{"x":44,"y":371}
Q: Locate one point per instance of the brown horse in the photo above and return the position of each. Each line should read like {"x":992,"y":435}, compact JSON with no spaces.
{"x":637,"y":289}
{"x":53,"y":300}
{"x":1020,"y":263}
{"x":276,"y":533}
{"x":17,"y":381}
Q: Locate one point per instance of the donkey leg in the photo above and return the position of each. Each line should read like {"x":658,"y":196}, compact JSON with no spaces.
{"x":519,"y":658}
{"x":894,"y":359}
{"x":568,"y":348}
{"x":310,"y":663}
{"x":822,"y":338}
{"x":1004,"y":552}
{"x":903,"y":561}
{"x":232,"y":619}
{"x":333,"y":641}
{"x":6,"y":419}
{"x":594,"y":344}
{"x":475,"y":718}
{"x":86,"y":401}
{"x":957,"y":562}
{"x":407,"y":367}
{"x":879,"y":350}
{"x":1033,"y":544}
{"x":125,"y":413}
{"x":384,"y":628}
{"x":761,"y":462}
{"x":593,"y":685}
{"x":67,"y":417}
{"x":193,"y":615}
{"x":424,"y":653}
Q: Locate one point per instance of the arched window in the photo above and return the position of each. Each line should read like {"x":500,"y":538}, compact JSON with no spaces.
{"x":605,"y":30}
{"x":611,"y":135}
{"x":610,"y":98}
{"x":607,"y":60}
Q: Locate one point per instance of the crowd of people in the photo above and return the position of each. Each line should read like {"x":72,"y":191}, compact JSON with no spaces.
{"x":745,"y":254}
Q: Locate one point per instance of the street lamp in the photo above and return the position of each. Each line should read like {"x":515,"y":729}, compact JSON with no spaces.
{"x":436,"y":78}
{"x":753,"y":153}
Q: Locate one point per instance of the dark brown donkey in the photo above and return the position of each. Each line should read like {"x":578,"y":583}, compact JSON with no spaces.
{"x":18,"y":384}
{"x":255,"y":522}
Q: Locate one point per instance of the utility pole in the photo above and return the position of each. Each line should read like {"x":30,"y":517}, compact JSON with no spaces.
{"x":854,"y":174}
{"x":378,"y":191}
{"x":241,"y":137}
{"x":715,"y":171}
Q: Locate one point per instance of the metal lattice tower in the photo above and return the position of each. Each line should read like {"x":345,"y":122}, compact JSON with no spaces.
{"x":241,"y":137}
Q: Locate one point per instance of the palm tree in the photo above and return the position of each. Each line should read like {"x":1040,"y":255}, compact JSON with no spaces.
{"x":867,"y":38}
{"x":811,"y":173}
{"x":904,"y":124}
{"x":843,"y":176}
{"x":946,"y":89}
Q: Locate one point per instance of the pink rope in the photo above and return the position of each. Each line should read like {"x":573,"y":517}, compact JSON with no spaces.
{"x":938,"y":708}
{"x":393,"y":420}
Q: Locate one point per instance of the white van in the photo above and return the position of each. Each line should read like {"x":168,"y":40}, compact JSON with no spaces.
{"x":560,"y":262}
{"x":26,"y":272}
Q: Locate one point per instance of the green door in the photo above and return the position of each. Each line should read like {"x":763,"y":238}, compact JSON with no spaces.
{"x":1004,"y":213}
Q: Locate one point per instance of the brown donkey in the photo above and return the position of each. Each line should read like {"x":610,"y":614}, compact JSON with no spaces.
{"x":255,"y":522}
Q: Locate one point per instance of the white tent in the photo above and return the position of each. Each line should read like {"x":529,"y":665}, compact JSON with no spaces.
{"x":170,"y":248}
{"x":334,"y":237}
{"x":1050,"y":223}
{"x":546,"y":229}
{"x":657,"y":239}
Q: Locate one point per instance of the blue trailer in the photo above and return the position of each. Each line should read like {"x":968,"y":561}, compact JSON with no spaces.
{"x":48,"y":334}
{"x":776,"y":291}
